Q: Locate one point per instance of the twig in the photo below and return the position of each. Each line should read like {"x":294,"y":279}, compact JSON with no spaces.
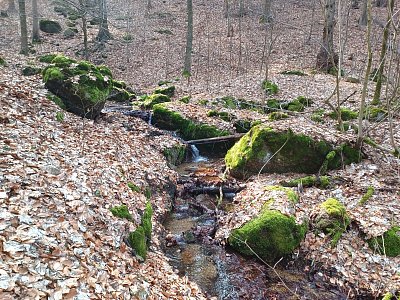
{"x":258,"y":175}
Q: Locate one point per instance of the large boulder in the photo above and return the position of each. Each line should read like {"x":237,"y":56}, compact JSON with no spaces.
{"x":50,"y":26}
{"x":82,"y":86}
{"x":274,"y":233}
{"x":267,"y":150}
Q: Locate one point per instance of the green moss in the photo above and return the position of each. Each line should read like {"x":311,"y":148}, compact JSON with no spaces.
{"x":203,"y":102}
{"x":299,"y":153}
{"x":271,"y":235}
{"x":146,"y":221}
{"x":229,"y":102}
{"x":121,"y":212}
{"x":269,"y":87}
{"x":168,"y":91}
{"x":185,"y":99}
{"x":175,"y":154}
{"x":147,"y":193}
{"x":387,"y":296}
{"x":2,"y":61}
{"x":328,"y":158}
{"x":62,"y":61}
{"x":60,"y":116}
{"x":154,"y":99}
{"x":189,"y":130}
{"x":52,"y":73}
{"x":367,"y":195}
{"x":346,"y":114}
{"x":292,"y":195}
{"x":221,"y":114}
{"x":277,"y":115}
{"x":137,"y":240}
{"x":294,"y":72}
{"x":336,"y":223}
{"x":56,"y":100}
{"x":387,"y":244}
{"x":345,"y":154}
{"x":47,"y":58}
{"x":375,"y":113}
{"x":308,"y":181}
{"x":318,"y":116}
{"x":133,"y":187}
{"x":30,"y":71}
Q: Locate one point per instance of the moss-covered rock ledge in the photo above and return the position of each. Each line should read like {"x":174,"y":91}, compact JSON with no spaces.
{"x":268,"y":150}
{"x":166,"y":117}
{"x":82,"y":86}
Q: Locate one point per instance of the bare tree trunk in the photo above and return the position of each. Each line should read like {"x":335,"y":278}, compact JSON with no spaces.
{"x":11,"y":6}
{"x":189,"y":40}
{"x":360,"y":134}
{"x":241,"y":8}
{"x":381,"y":3}
{"x":363,"y":18}
{"x":103,"y":34}
{"x":326,"y":58}
{"x":35,"y":22}
{"x":24,"y":29}
{"x":267,"y":11}
{"x":379,"y":73}
{"x":226,"y":8}
{"x":149,"y":5}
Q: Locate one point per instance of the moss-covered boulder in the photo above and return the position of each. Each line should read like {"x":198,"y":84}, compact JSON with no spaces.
{"x":30,"y":71}
{"x":166,"y":118}
{"x":331,"y":218}
{"x":271,"y":236}
{"x":69,"y":33}
{"x":267,"y":150}
{"x":120,"y":92}
{"x":154,"y":99}
{"x":175,"y":154}
{"x":47,"y":58}
{"x":50,"y":26}
{"x":82,"y":86}
{"x":388,"y":243}
{"x":166,"y":90}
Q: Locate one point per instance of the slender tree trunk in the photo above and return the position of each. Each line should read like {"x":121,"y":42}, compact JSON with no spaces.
{"x":35,"y":22}
{"x":85,"y":38}
{"x":379,"y":73}
{"x":11,"y":6}
{"x":326,"y":58}
{"x":363,"y":18}
{"x":24,"y":29}
{"x":189,"y":40}
{"x":360,"y":135}
{"x":267,"y":10}
{"x":226,"y":8}
{"x":149,"y":5}
{"x":241,"y":8}
{"x":104,"y":33}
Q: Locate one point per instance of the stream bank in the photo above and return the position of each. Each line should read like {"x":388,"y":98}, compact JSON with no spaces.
{"x":218,"y":271}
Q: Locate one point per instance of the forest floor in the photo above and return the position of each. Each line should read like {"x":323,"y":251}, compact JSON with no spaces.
{"x":58,"y":180}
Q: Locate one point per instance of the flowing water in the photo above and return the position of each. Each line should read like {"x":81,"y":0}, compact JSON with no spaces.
{"x":219,"y":272}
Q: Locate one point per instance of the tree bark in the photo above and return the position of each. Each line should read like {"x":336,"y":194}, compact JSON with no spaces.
{"x":24,"y":29}
{"x":327,"y":58}
{"x":379,"y":73}
{"x":104,"y":33}
{"x":226,"y":8}
{"x":381,"y":3}
{"x":11,"y":6}
{"x":360,"y":135}
{"x":189,"y":40}
{"x":267,"y":11}
{"x":35,"y":22}
{"x":363,"y":18}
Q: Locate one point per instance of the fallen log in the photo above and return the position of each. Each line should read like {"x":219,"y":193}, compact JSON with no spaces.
{"x":218,"y":139}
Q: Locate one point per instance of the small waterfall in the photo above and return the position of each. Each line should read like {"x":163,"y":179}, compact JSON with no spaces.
{"x":196,"y":154}
{"x":150,"y":117}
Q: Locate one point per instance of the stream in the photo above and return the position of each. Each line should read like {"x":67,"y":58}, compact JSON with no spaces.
{"x":218,"y":271}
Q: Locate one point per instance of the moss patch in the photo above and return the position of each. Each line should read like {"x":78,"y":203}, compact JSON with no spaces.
{"x":367,"y":195}
{"x":2,"y":61}
{"x":308,"y":181}
{"x":277,"y":115}
{"x":375,"y":113}
{"x":146,"y":221}
{"x":47,"y":58}
{"x":388,"y":243}
{"x":133,"y":187}
{"x":30,"y":71}
{"x":137,"y":240}
{"x":271,"y":235}
{"x":294,"y":72}
{"x":168,"y":119}
{"x":175,"y":154}
{"x":168,"y":91}
{"x":269,"y":87}
{"x":346,"y":114}
{"x":82,"y":86}
{"x":333,"y":219}
{"x":291,"y":195}
{"x":299,"y":153}
{"x":121,"y":212}
{"x":154,"y":99}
